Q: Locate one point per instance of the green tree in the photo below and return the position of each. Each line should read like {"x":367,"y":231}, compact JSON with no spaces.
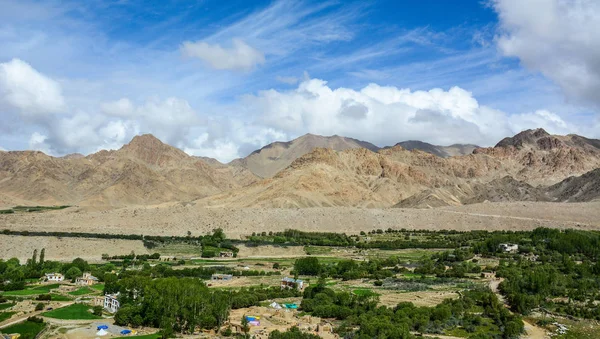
{"x":97,"y":310}
{"x":245,"y":325}
{"x":39,"y":307}
{"x":307,"y":266}
{"x":73,"y":273}
{"x":42,"y":257}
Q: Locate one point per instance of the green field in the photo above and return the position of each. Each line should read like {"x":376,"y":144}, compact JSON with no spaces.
{"x":28,"y":329}
{"x":82,"y":291}
{"x":5,"y":315}
{"x":73,"y":312}
{"x":60,"y":297}
{"x":43,"y":289}
{"x":6,"y":305}
{"x":98,"y":287}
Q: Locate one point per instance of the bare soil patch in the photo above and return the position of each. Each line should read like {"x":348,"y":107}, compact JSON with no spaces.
{"x":62,"y":249}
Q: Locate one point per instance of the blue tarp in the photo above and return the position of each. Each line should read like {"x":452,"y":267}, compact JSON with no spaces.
{"x":125,"y":331}
{"x":102,"y":327}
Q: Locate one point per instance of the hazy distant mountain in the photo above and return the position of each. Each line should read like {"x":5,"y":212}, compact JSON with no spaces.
{"x":269,"y":160}
{"x":440,"y":151}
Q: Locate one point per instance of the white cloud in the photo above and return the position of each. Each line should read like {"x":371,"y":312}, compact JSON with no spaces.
{"x":386,"y":115}
{"x":120,"y":108}
{"x":240,"y":56}
{"x":31,"y":92}
{"x":558,"y":38}
{"x":37,"y":142}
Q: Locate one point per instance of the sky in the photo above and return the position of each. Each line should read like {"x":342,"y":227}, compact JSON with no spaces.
{"x":224,"y":78}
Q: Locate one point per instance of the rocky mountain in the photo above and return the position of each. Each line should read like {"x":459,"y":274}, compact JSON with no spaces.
{"x":577,"y":189}
{"x":145,"y":171}
{"x":517,"y":169}
{"x":312,"y":171}
{"x":269,"y":160}
{"x":440,"y":151}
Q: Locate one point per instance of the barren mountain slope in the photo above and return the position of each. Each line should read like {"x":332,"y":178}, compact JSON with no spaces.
{"x":440,"y":151}
{"x":544,"y":159}
{"x":269,"y":160}
{"x":576,"y":189}
{"x":357,"y":177}
{"x":145,"y":171}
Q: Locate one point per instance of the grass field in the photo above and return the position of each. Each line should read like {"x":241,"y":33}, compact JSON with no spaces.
{"x":98,"y":287}
{"x":73,"y":312}
{"x":28,"y":329}
{"x":6,"y":305}
{"x":82,"y":291}
{"x":5,"y":315}
{"x":60,"y":297}
{"x":43,"y":289}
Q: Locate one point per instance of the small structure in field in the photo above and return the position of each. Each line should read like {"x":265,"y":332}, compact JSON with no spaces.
{"x":54,"y":277}
{"x":226,"y":254}
{"x":111,"y":304}
{"x":87,"y":280}
{"x":221,"y":277}
{"x":292,"y":283}
{"x":509,"y":248}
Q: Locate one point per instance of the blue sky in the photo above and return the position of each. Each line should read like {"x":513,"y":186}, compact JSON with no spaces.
{"x":222,"y":78}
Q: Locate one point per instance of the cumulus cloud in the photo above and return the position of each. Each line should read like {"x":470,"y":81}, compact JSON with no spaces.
{"x":558,"y":38}
{"x":37,"y":142}
{"x":387,"y":115}
{"x":239,"y":56}
{"x":27,"y":90}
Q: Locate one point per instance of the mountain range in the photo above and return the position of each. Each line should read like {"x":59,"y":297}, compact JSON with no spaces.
{"x":312,"y":171}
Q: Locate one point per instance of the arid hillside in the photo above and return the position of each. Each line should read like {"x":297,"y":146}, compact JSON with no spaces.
{"x":145,"y":171}
{"x":269,"y":160}
{"x":311,"y":171}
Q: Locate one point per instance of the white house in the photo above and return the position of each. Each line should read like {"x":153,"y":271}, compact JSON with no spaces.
{"x":509,"y":248}
{"x":55,"y":277}
{"x":111,"y":304}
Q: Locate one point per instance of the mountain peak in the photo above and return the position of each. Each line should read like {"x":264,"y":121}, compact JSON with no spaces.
{"x":150,"y":149}
{"x":524,"y":138}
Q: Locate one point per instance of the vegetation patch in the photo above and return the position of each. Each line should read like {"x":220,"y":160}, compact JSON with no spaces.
{"x":27,"y":329}
{"x":72,"y":312}
{"x":5,"y":315}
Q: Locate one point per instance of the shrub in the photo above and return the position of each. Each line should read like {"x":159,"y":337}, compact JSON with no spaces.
{"x":39,"y":307}
{"x":97,"y":310}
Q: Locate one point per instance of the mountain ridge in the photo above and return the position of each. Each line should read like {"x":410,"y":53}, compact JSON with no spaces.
{"x":311,"y":171}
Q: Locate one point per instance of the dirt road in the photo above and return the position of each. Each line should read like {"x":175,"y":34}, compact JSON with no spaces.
{"x":531,"y":331}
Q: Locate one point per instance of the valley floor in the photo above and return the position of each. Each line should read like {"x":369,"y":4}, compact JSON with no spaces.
{"x":177,"y":219}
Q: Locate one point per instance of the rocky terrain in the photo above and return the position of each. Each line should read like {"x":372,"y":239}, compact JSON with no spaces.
{"x":311,"y":171}
{"x":440,"y":151}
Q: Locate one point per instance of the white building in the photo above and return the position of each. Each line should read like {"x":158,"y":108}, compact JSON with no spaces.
{"x":509,"y":248}
{"x":111,"y":304}
{"x":55,"y":277}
